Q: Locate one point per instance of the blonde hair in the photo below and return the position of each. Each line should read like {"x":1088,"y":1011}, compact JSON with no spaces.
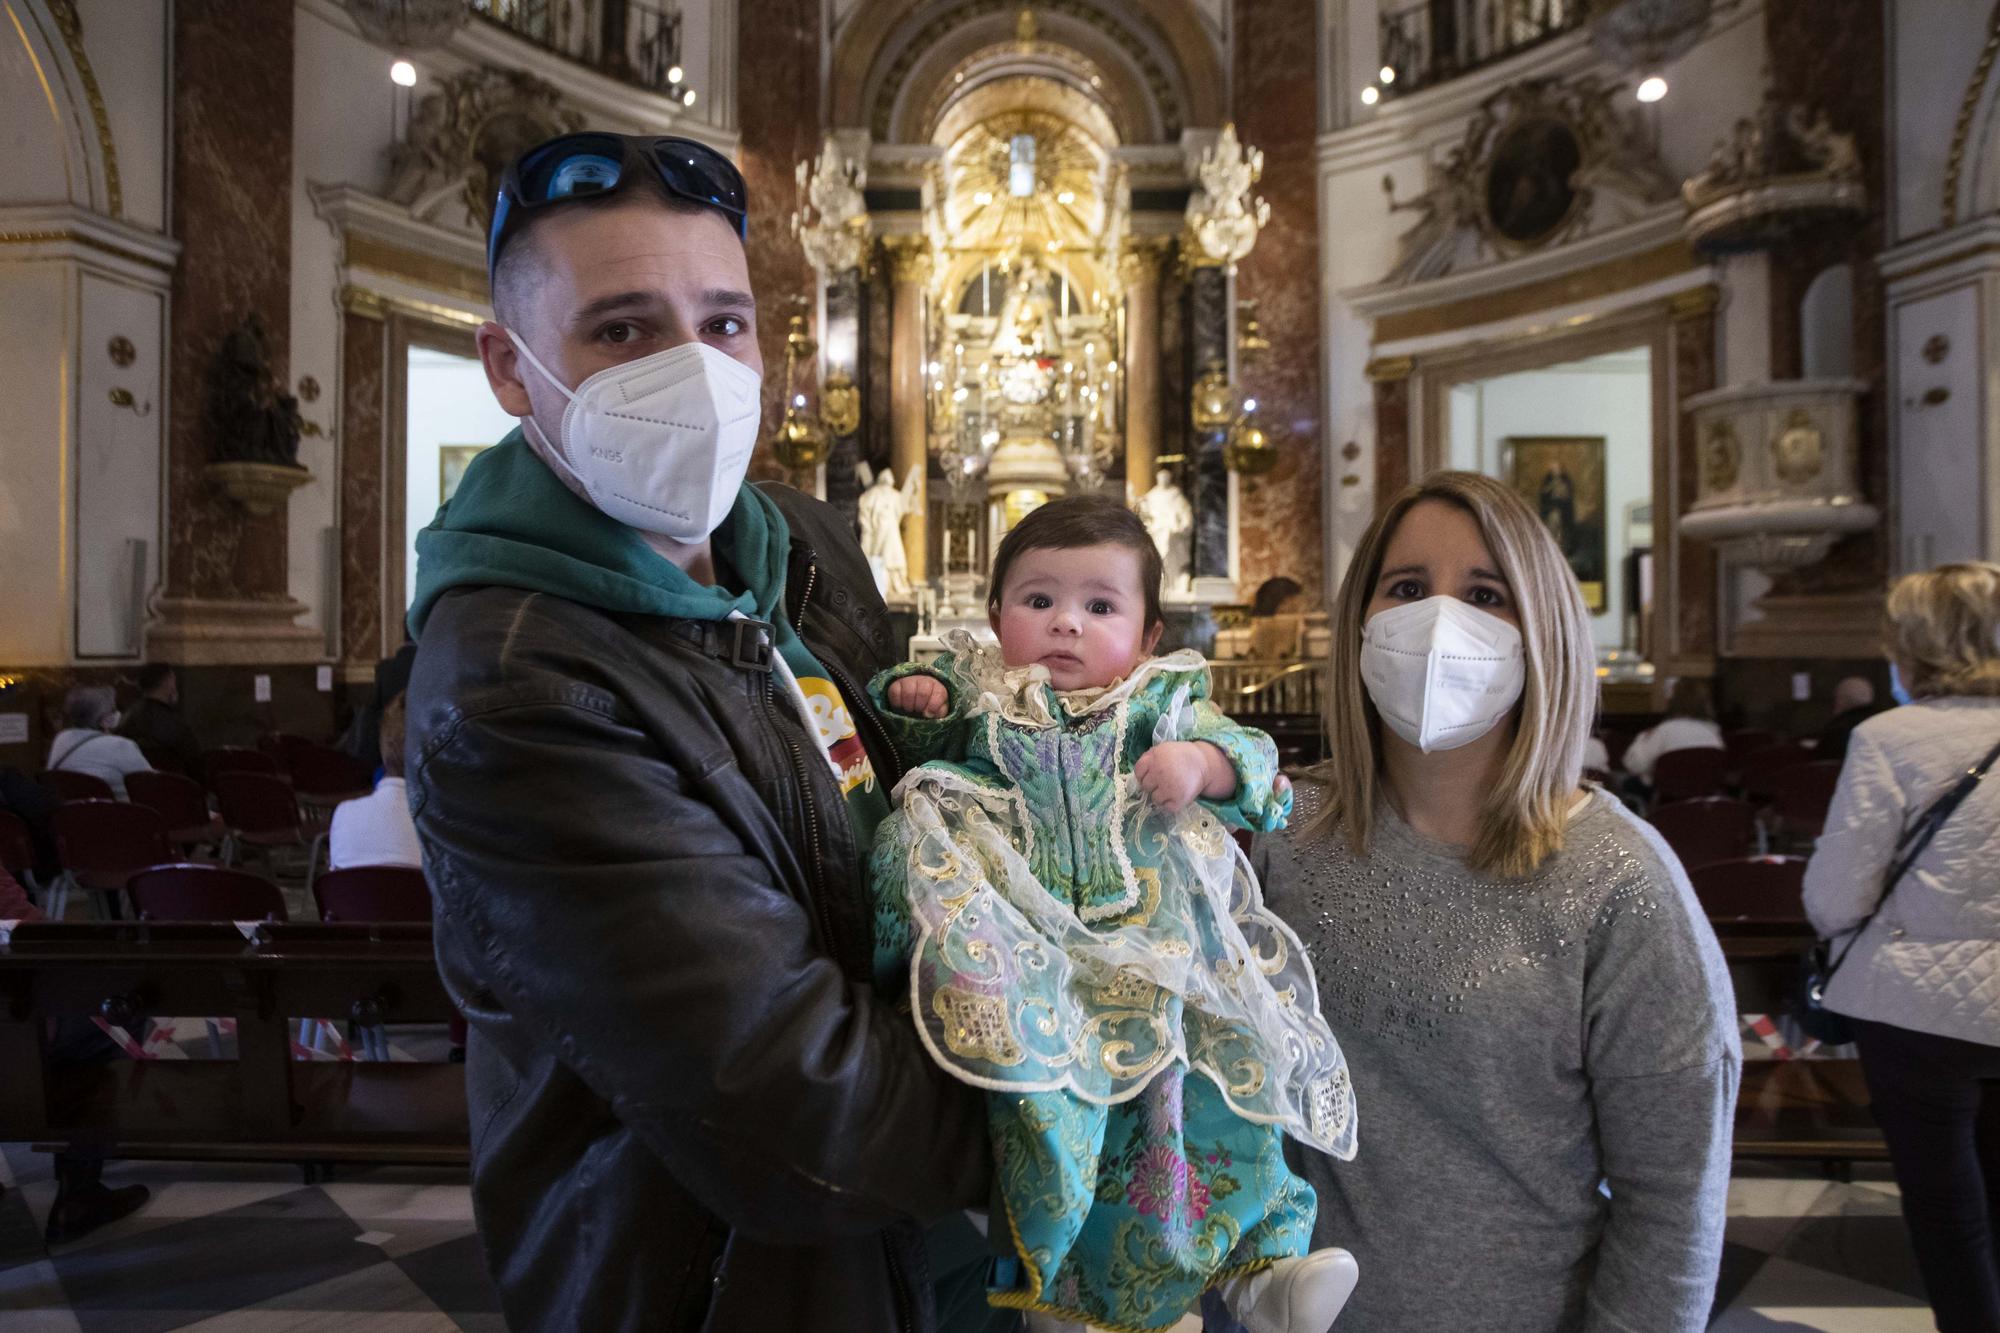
{"x":1942,"y":628}
{"x":1522,"y":822}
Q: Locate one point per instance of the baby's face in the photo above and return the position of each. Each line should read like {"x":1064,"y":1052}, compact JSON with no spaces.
{"x":1079,"y":612}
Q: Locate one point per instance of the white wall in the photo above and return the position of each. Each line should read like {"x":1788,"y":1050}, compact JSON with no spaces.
{"x":1608,"y":395}
{"x":449,"y":403}
{"x":35,"y":332}
{"x":1934,"y":47}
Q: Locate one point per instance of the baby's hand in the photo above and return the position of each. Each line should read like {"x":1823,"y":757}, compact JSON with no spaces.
{"x":1176,"y":772}
{"x":919,"y":696}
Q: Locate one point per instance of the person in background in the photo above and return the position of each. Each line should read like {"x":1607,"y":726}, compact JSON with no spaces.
{"x":1536,"y":1013}
{"x":156,"y":724}
{"x":1920,"y":975}
{"x":86,"y":744}
{"x":1853,"y":704}
{"x":1688,"y":725}
{"x":376,"y":829}
{"x":363,"y":738}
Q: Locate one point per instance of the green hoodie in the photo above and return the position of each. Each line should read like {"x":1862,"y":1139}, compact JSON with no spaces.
{"x":514,"y":524}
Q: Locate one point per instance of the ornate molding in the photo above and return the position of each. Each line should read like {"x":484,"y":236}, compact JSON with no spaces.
{"x":1775,"y":175}
{"x":71,"y":28}
{"x":462,"y":135}
{"x":1961,"y":133}
{"x":909,"y":258}
{"x":71,"y":231}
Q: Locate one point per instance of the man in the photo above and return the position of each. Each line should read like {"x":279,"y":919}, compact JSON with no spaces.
{"x":155,"y":722}
{"x":688,"y":1108}
{"x":1853,"y":704}
{"x":375,"y":830}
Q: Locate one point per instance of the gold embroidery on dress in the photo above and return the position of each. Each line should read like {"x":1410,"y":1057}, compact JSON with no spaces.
{"x":975,"y":1026}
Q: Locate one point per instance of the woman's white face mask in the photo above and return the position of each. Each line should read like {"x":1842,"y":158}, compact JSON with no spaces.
{"x":1442,"y":673}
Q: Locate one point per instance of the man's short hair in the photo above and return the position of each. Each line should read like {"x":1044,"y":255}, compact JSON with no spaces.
{"x":390,"y":737}
{"x":153,"y":675}
{"x":518,"y":272}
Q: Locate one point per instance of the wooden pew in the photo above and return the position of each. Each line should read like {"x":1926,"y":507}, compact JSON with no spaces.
{"x":1811,"y":1109}
{"x":262,"y":1106}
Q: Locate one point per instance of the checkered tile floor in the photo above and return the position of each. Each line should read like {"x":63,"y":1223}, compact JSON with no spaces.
{"x":250,"y":1250}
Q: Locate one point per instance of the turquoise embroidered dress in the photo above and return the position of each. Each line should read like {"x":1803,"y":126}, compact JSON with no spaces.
{"x":1075,"y":951}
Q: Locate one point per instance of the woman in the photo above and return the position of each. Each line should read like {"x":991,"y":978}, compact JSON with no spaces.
{"x":1922,"y":980}
{"x":86,"y":745}
{"x":1539,"y":1021}
{"x":1688,"y":725}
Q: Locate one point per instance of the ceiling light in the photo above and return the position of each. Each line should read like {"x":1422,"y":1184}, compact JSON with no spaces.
{"x":1249,"y":404}
{"x":687,"y":98}
{"x":1066,"y":197}
{"x":403,"y":74}
{"x":983,"y":198}
{"x":1652,"y":89}
{"x":1388,"y":74}
{"x":1370,"y":95}
{"x":674,"y":73}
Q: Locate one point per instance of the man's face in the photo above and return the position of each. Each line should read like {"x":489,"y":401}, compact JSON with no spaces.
{"x":612,"y":284}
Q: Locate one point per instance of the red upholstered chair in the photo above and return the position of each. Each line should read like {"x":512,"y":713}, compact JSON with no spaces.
{"x":235,"y":759}
{"x":261,"y":812}
{"x":182,"y":803}
{"x":323,"y":777}
{"x":1682,"y":775}
{"x":77,"y":786}
{"x":101,"y":843}
{"x":373,"y":893}
{"x":1759,"y":769}
{"x":187,"y":892}
{"x":17,"y":848}
{"x":1802,"y":794}
{"x":1741,"y":744}
{"x":281,"y":746}
{"x":1755,"y":888}
{"x":1708,"y":828}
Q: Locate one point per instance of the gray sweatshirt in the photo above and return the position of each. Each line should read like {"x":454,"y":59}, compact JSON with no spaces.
{"x":1545,"y":1071}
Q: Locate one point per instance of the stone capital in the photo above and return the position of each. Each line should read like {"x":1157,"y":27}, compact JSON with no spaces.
{"x":909,"y":258}
{"x":1142,"y":259}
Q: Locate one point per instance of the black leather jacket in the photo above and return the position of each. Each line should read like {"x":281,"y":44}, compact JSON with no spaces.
{"x":689,"y":1111}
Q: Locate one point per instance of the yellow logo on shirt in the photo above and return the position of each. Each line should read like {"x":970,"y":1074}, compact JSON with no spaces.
{"x":836,"y":730}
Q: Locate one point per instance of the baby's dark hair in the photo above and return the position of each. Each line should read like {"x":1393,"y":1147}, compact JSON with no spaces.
{"x":1081,"y":520}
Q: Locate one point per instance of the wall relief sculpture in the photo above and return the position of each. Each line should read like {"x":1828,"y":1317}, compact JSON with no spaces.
{"x":1776,"y":174}
{"x":831,"y":220}
{"x":463,"y":135}
{"x":1542,"y":162}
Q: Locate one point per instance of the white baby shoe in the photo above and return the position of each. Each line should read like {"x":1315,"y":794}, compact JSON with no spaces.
{"x":1300,"y":1295}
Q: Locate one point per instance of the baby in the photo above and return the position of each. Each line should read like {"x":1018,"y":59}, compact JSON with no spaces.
{"x":1078,"y":934}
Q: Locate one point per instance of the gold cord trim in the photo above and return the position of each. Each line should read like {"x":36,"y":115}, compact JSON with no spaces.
{"x":71,"y":28}
{"x":1962,"y":132}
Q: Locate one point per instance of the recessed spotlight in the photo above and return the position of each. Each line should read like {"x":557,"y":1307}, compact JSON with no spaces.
{"x":403,"y":74}
{"x":687,"y":98}
{"x":1370,"y":95}
{"x":1388,"y":74}
{"x":674,"y":74}
{"x":1652,"y":89}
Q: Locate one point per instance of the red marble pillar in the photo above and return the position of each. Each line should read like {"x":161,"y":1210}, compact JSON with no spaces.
{"x":226,"y":597}
{"x":1683,"y":639}
{"x":778,"y":113}
{"x":1392,"y":430}
{"x":363,"y":541}
{"x":1279,"y":519}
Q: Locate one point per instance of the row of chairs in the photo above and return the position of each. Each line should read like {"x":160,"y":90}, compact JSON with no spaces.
{"x":194,"y":891}
{"x":318,"y":775}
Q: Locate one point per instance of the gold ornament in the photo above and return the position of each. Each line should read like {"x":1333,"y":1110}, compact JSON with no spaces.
{"x":801,"y":443}
{"x":840,"y":404}
{"x":1249,"y":452}
{"x":1213,"y":402}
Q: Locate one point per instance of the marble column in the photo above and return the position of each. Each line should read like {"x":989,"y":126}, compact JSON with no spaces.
{"x":363,"y":535}
{"x":1391,"y":378}
{"x":843,"y":350}
{"x":1683,"y":639}
{"x":1139,"y":269}
{"x":908,"y":435}
{"x":227,"y":598}
{"x":779,"y":117}
{"x":1280,"y":515}
{"x":1208,"y":478}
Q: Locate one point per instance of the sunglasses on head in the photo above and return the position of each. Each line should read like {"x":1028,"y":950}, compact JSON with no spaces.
{"x":597,"y":163}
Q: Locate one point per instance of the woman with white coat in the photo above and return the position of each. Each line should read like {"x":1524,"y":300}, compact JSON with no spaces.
{"x":1922,"y":981}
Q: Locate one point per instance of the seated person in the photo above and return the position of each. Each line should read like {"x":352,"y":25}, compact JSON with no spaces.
{"x":376,"y":829}
{"x":86,"y":743}
{"x":1688,"y":725}
{"x":155,"y":722}
{"x":1853,"y":704}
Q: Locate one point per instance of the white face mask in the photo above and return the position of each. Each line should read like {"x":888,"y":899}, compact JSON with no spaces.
{"x":1442,"y":673}
{"x":661,"y":443}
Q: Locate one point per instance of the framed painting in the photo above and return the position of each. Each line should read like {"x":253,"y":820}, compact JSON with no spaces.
{"x":1562,"y":479}
{"x":452,"y":462}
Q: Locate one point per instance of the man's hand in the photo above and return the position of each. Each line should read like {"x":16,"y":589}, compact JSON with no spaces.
{"x":919,"y":696}
{"x":1176,"y":772}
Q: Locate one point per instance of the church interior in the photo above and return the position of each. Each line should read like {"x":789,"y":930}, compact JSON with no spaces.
{"x":1713,"y":286}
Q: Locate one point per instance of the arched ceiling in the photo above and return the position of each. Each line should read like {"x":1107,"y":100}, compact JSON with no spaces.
{"x":1151,"y":66}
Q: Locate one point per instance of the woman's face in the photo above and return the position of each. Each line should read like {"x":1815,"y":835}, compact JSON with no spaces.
{"x":1437,"y":550}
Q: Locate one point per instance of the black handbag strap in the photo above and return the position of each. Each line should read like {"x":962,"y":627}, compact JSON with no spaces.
{"x":94,"y":736}
{"x":1913,"y":842}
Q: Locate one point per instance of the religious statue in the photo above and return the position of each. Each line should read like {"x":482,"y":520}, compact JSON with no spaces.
{"x":883,"y":506}
{"x":1169,"y":519}
{"x":251,"y":419}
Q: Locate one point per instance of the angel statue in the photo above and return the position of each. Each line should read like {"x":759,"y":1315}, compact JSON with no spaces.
{"x":883,"y":507}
